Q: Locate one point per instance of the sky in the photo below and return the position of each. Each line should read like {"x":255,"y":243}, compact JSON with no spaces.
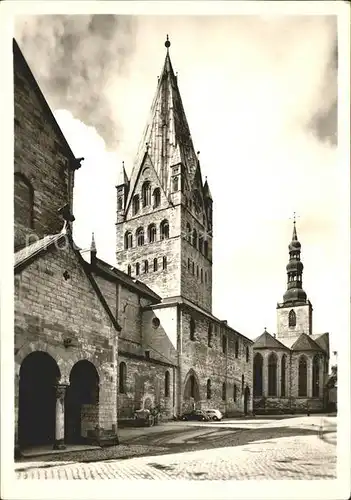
{"x":260,"y":95}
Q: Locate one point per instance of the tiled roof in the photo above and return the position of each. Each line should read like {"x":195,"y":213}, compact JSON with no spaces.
{"x":322,"y":339}
{"x":305,"y":343}
{"x":126,"y":279}
{"x":166,"y":114}
{"x":267,"y":341}
{"x":30,"y":251}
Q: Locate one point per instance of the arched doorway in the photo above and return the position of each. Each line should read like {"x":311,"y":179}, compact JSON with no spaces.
{"x":246,"y":400}
{"x":39,"y":375}
{"x":81,"y":403}
{"x":191,"y":391}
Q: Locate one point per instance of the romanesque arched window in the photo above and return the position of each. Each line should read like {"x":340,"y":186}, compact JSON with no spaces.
{"x":146,"y":266}
{"x":201,"y":275}
{"x":224,"y":343}
{"x":146,"y":193}
{"x":208,"y":389}
{"x":140,"y":236}
{"x":201,"y":244}
{"x":129,"y":269}
{"x":192,"y":386}
{"x":209,"y":335}
{"x":136,"y":204}
{"x":302,"y":376}
{"x":195,"y":238}
{"x":292,"y":318}
{"x":224,"y":391}
{"x":197,"y":271}
{"x":272,"y":374}
{"x":164,"y":263}
{"x":128,"y":240}
{"x":236,"y":349}
{"x":235,"y":393}
{"x":157,"y":197}
{"x":192,"y":329}
{"x":155,"y":264}
{"x":24,"y":200}
{"x":315,"y":377}
{"x":137,"y":268}
{"x":206,"y":248}
{"x":151,"y":233}
{"x":167,"y":384}
{"x":122,"y":377}
{"x":188,"y":232}
{"x":283,"y":376}
{"x":175,"y":183}
{"x":164,"y":230}
{"x":257,"y":375}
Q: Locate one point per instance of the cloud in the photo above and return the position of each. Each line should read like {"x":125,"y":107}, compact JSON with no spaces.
{"x":74,"y":58}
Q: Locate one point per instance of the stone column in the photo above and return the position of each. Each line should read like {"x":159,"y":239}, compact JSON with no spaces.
{"x":265,"y":375}
{"x":279,"y":375}
{"x":60,"y":417}
{"x":309,"y":377}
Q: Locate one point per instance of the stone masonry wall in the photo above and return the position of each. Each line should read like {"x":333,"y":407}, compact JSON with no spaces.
{"x":145,"y":388}
{"x":44,"y":318}
{"x":303,"y":321}
{"x":211,"y":363}
{"x":292,"y":401}
{"x":163,"y":282}
{"x":196,"y":269}
{"x":42,"y":157}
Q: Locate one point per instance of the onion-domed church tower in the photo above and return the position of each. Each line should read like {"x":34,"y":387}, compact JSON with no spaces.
{"x":294,"y":314}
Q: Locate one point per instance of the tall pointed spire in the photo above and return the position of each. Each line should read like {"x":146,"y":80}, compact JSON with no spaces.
{"x":166,"y":133}
{"x":295,"y":292}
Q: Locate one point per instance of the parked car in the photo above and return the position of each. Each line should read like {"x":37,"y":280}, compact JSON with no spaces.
{"x":214,"y":414}
{"x":195,"y":415}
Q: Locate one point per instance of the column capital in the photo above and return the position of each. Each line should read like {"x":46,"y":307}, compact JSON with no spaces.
{"x":60,"y":390}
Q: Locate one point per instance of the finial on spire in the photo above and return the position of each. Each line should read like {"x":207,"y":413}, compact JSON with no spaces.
{"x":93,"y":244}
{"x":294,"y":236}
{"x":167,"y":44}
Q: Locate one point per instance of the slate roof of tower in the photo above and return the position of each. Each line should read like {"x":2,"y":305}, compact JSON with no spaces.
{"x":167,"y":133}
{"x":266,"y":340}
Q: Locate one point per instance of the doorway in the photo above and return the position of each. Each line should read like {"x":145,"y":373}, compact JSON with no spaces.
{"x":39,"y":375}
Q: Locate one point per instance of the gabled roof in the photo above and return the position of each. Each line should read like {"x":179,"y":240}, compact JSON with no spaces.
{"x":267,"y":341}
{"x":305,"y":343}
{"x":28,"y":254}
{"x":19,"y":61}
{"x":322,"y":339}
{"x":101,"y":267}
{"x":167,"y":120}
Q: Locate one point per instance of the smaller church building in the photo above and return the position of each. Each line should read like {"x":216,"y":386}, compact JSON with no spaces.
{"x":291,"y":367}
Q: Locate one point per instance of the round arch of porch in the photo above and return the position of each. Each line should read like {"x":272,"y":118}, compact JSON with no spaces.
{"x":65,"y":362}
{"x":39,"y":374}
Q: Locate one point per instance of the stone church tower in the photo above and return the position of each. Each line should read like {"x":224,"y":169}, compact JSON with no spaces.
{"x":294,"y":314}
{"x":164,"y":211}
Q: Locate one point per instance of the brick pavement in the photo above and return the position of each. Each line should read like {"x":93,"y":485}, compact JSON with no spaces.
{"x":293,"y":457}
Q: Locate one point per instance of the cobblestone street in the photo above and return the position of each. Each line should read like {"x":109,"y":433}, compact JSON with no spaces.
{"x":294,"y":448}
